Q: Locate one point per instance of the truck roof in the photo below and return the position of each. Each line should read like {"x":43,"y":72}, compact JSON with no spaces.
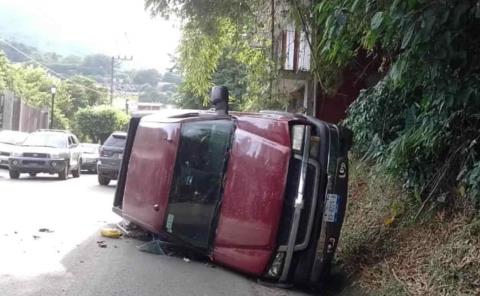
{"x":180,"y":115}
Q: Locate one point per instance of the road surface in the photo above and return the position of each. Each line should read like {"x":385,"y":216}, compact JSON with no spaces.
{"x":49,"y":231}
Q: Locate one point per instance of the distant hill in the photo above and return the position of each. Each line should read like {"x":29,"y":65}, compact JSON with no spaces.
{"x":151,"y":85}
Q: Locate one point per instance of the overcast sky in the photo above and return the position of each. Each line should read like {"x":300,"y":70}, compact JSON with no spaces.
{"x":118,"y":27}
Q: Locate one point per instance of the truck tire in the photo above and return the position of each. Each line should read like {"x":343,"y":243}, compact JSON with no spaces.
{"x":104,"y":181}
{"x":14,"y":174}
{"x":76,"y":172}
{"x":64,"y":173}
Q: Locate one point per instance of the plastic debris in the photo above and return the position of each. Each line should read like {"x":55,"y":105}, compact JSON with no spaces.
{"x":111,"y":232}
{"x":157,"y":247}
{"x":45,"y":230}
{"x":101,"y":244}
{"x":186,"y":259}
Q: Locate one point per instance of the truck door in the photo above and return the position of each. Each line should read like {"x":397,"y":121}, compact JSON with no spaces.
{"x":197,"y":183}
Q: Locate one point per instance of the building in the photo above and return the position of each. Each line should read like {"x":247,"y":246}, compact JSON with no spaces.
{"x":292,"y":50}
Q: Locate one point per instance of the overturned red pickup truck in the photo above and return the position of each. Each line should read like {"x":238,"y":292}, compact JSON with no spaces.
{"x":263,"y":193}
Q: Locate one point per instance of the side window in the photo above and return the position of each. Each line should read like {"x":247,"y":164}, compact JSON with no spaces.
{"x":196,"y":185}
{"x":70,"y":141}
{"x":75,"y":140}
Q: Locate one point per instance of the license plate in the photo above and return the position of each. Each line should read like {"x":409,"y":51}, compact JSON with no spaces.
{"x":331,"y":208}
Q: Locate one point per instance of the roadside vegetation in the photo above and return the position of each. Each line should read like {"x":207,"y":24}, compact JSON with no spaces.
{"x":388,"y":248}
{"x":76,"y":98}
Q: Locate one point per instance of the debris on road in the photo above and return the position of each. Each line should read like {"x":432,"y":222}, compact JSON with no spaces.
{"x":101,"y":244}
{"x":157,"y":247}
{"x":46,"y":230}
{"x":35,"y":237}
{"x":132,"y":230}
{"x":186,"y":259}
{"x":111,"y":232}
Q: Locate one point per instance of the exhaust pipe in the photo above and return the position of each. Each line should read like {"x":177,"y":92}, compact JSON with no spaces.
{"x":219,"y":99}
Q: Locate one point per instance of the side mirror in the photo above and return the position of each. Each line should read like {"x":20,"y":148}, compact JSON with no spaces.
{"x":219,"y":99}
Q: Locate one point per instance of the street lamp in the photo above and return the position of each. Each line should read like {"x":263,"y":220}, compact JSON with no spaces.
{"x":53,"y":91}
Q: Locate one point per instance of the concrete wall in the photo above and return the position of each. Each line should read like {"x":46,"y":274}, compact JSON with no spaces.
{"x":17,"y":115}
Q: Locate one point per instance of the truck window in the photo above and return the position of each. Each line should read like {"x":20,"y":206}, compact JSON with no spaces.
{"x":197,"y":181}
{"x":116,"y":140}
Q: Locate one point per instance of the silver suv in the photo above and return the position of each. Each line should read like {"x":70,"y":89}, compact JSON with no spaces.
{"x":47,"y":151}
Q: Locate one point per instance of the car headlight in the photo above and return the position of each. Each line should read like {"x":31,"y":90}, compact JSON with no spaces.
{"x":277,"y":264}
{"x":54,"y":155}
{"x":15,"y":154}
{"x":298,"y":132}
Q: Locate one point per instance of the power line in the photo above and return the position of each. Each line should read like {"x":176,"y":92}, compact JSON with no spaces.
{"x":60,"y":76}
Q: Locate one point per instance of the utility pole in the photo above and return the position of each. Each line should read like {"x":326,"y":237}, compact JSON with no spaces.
{"x":112,"y":73}
{"x":53,"y":91}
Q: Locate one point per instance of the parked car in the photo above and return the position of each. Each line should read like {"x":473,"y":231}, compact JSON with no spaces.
{"x":263,"y":193}
{"x":9,"y":140}
{"x":47,"y":151}
{"x":90,"y":156}
{"x":111,"y":154}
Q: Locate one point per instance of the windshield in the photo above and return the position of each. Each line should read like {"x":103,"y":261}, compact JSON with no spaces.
{"x":54,"y":140}
{"x":12,"y":137}
{"x":116,"y":141}
{"x":89,"y":148}
{"x":197,"y":180}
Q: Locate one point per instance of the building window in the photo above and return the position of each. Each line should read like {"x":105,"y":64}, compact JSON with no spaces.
{"x":296,"y":52}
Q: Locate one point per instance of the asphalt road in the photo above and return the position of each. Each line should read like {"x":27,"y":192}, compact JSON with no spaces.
{"x":65,"y":258}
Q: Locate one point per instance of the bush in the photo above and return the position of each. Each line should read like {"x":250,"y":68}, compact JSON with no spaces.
{"x":96,"y":124}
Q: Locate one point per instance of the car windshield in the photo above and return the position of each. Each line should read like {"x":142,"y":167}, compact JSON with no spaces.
{"x":116,"y":140}
{"x":12,"y":137}
{"x":197,"y":180}
{"x":89,"y":148}
{"x":54,"y":140}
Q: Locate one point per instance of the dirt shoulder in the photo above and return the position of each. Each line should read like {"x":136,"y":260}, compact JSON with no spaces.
{"x":389,"y":247}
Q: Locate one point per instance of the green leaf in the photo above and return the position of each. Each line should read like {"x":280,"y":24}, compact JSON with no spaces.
{"x":459,"y":11}
{"x":354,"y":6}
{"x":377,"y":20}
{"x":408,"y":36}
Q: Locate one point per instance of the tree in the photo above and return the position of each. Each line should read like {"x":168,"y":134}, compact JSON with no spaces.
{"x":97,"y":64}
{"x":84,"y":92}
{"x":216,"y":35}
{"x":172,"y":77}
{"x":96,"y":124}
{"x":421,"y":121}
{"x":152,"y":95}
{"x":149,"y":76}
{"x":6,"y":79}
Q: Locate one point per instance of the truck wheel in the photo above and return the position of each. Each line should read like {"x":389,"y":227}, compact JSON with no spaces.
{"x":76,"y":172}
{"x":64,"y":173}
{"x":103,"y":180}
{"x":32,"y":174}
{"x":14,"y":174}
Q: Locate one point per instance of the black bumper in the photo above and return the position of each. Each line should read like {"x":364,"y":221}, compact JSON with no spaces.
{"x":36,"y":165}
{"x":90,"y":166}
{"x":108,"y":171}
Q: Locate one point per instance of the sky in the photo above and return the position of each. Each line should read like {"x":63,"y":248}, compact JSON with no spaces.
{"x":112,"y":27}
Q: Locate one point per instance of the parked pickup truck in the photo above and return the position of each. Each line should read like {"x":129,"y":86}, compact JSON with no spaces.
{"x":262,"y":193}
